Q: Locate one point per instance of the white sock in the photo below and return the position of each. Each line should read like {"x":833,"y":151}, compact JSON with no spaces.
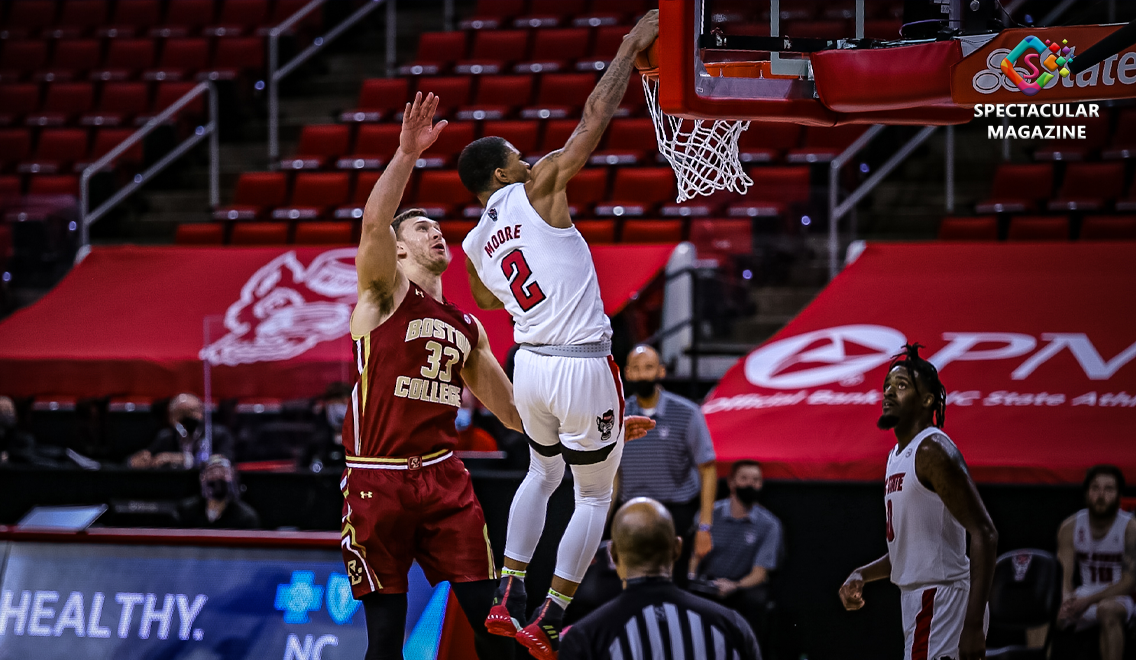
{"x":559,"y":598}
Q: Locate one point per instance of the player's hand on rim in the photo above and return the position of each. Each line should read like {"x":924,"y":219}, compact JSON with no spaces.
{"x":636,"y":426}
{"x":645,"y":31}
{"x":852,"y":591}
{"x":418,"y":128}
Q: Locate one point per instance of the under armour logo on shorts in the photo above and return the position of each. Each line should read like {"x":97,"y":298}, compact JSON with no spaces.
{"x":366,"y":495}
{"x":605,"y":424}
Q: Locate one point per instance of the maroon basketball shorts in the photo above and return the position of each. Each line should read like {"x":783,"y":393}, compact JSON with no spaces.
{"x":423,"y":512}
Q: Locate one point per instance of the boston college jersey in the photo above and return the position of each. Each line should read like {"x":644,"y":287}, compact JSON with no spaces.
{"x":408,"y":385}
{"x":1101,"y":560}
{"x":926,"y":544}
{"x":544,"y":275}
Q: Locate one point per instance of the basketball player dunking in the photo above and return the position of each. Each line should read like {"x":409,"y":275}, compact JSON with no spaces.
{"x":406,"y":497}
{"x":526,"y":256}
{"x":931,"y":503}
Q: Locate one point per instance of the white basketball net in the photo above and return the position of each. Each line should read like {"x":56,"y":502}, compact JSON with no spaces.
{"x":702,"y":153}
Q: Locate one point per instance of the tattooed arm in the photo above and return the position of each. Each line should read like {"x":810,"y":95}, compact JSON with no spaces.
{"x":551,"y":175}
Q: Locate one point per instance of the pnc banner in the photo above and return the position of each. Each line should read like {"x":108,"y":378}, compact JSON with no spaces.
{"x":1035,"y":344}
{"x":1030,"y":65}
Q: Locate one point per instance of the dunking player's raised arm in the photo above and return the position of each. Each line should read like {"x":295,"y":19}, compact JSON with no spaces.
{"x":377,"y":261}
{"x":550,"y":176}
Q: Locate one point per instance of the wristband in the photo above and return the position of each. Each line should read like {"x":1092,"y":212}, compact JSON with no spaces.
{"x":704,"y":527}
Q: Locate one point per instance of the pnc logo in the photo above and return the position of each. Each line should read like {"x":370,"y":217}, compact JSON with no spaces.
{"x":1057,"y":56}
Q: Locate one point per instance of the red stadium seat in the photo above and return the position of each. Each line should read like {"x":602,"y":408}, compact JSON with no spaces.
{"x":1097,"y":132}
{"x":554,"y":50}
{"x":169,"y":92}
{"x":441,"y":192}
{"x":109,"y":138}
{"x":120,"y":102}
{"x":549,"y":14}
{"x":1129,"y":202}
{"x":20,"y":58}
{"x":604,"y":47}
{"x":774,"y":192}
{"x":79,"y":17}
{"x":651,"y":231}
{"x":319,"y":146}
{"x":627,"y":142}
{"x":63,"y":103}
{"x":314,"y":194}
{"x":374,"y":146}
{"x":125,"y":59}
{"x":232,"y":57}
{"x":180,"y":59}
{"x":72,"y":57}
{"x":437,"y":51}
{"x":556,"y":134}
{"x":520,"y":134}
{"x":283,"y":9}
{"x":887,"y":29}
{"x":455,"y":231}
{"x":27,"y":17}
{"x":238,"y":17}
{"x":1089,"y":186}
{"x":822,"y":144}
{"x":256,"y":193}
{"x":200,"y":233}
{"x":597,"y":232}
{"x":323,"y":233}
{"x":1108,"y":228}
{"x":561,"y":95}
{"x":1123,"y":144}
{"x":493,"y":50}
{"x":634,"y":101}
{"x":637,"y":190}
{"x":1038,"y":228}
{"x":818,"y":29}
{"x":492,"y":14}
{"x":799,"y":10}
{"x":497,"y":96}
{"x":184,"y":17}
{"x":132,"y":18}
{"x":364,"y":184}
{"x":448,"y":145}
{"x":586,"y":189}
{"x":378,"y":98}
{"x":16,"y":101}
{"x":721,"y":237}
{"x":766,"y":142}
{"x":15,"y":146}
{"x":9,"y":186}
{"x":452,"y":92}
{"x":57,"y":149}
{"x":1018,"y":188}
{"x":703,"y":206}
{"x":60,"y":184}
{"x":983,"y":228}
{"x":259,"y":233}
{"x":611,"y":12}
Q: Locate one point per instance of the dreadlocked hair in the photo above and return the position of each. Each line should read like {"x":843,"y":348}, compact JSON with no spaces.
{"x":917,"y":368}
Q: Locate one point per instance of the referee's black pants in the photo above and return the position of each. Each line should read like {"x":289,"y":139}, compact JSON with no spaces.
{"x":685,"y":514}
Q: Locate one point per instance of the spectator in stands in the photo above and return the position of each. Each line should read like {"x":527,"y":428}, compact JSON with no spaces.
{"x":219,"y":505}
{"x":472,"y":437}
{"x":16,"y":445}
{"x":325,"y":451}
{"x":747,"y":547}
{"x":179,"y":445}
{"x":674,"y":462}
{"x":1098,"y":543}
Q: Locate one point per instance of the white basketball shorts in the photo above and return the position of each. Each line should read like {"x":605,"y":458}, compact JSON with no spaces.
{"x":1089,"y":618}
{"x":932,"y":621}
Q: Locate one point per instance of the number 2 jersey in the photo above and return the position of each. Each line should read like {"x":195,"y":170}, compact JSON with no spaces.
{"x":408,"y":383}
{"x":926,"y":544}
{"x":543,"y":274}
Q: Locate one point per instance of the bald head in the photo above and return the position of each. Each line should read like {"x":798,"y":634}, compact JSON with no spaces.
{"x":186,"y":405}
{"x":643,"y":364}
{"x":644,"y":540}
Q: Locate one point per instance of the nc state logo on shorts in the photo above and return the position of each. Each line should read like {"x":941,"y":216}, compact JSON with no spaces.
{"x":605,"y":424}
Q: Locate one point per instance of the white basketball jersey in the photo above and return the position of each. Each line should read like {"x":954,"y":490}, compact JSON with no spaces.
{"x":543,"y":274}
{"x":1101,"y":560}
{"x":926,"y":544}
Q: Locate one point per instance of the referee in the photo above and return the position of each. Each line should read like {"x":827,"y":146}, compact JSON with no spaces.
{"x":653,"y":618}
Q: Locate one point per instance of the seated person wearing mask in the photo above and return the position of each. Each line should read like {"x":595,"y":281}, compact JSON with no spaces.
{"x":179,"y":445}
{"x":325,"y":451}
{"x":747,"y":546}
{"x":218,"y":506}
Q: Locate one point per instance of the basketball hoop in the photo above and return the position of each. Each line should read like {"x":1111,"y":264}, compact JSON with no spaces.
{"x":702,"y":153}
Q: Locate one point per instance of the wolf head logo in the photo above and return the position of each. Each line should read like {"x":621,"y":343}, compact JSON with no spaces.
{"x":605,"y":423}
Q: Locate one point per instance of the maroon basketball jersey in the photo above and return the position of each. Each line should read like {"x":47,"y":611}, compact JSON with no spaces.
{"x":409,"y":385}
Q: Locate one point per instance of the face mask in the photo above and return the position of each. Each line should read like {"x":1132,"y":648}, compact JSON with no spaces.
{"x":748,"y":495}
{"x":464,"y":420}
{"x":216,"y":490}
{"x":639,"y":388}
{"x":336,"y":412}
{"x":190,"y":424}
{"x":7,"y":421}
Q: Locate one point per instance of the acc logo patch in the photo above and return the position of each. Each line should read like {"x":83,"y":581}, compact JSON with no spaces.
{"x":340,"y":603}
{"x":605,"y":423}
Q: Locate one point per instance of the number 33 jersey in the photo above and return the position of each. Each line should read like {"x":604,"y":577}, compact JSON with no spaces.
{"x":544,"y":275}
{"x":408,"y":384}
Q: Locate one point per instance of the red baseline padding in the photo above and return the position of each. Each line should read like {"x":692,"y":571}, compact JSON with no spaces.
{"x":866,"y":80}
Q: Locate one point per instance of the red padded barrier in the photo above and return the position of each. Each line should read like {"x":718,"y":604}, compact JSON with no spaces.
{"x":886,"y":78}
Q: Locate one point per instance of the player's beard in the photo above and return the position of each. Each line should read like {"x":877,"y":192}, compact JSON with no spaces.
{"x":887,"y":421}
{"x":1109,"y":510}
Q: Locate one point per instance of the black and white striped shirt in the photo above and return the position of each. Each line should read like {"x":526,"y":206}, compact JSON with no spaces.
{"x":655,"y":620}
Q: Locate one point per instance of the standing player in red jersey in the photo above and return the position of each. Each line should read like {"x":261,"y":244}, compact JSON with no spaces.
{"x":406,"y":497}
